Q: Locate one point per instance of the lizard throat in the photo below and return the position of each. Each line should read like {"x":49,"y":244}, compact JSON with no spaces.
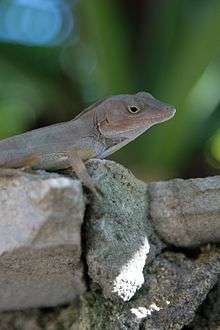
{"x":112,"y":145}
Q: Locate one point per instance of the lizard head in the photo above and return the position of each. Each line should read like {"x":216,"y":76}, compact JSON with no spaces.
{"x":124,"y":117}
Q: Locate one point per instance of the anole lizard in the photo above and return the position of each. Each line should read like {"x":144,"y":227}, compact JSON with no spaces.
{"x":96,"y":132}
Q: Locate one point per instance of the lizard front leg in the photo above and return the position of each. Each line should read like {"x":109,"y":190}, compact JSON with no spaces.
{"x":79,"y":168}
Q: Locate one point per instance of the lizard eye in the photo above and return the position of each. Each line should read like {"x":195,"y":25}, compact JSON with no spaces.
{"x":133,"y":109}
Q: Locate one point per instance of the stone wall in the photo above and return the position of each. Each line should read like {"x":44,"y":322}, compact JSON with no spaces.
{"x":138,"y":256}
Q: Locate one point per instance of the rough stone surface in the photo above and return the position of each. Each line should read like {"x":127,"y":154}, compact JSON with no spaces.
{"x":119,"y":239}
{"x":175,"y":286}
{"x":181,"y":286}
{"x":40,"y":239}
{"x":41,"y":251}
{"x":186,"y":213}
{"x":208,"y":315}
{"x":58,"y":318}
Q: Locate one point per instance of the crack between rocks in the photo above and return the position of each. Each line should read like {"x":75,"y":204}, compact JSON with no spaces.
{"x":84,"y":245}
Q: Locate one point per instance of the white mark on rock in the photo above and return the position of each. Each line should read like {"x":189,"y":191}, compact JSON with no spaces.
{"x":154,"y":307}
{"x":168,"y":302}
{"x":131,"y":276}
{"x":142,"y":312}
{"x":60,"y":182}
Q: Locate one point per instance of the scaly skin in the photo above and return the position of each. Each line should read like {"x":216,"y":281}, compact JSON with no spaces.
{"x":97,"y":132}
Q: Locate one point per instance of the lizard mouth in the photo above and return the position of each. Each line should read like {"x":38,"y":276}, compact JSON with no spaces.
{"x":163,"y":116}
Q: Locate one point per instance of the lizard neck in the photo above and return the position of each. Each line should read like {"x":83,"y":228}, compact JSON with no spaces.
{"x":89,"y":142}
{"x":100,"y":146}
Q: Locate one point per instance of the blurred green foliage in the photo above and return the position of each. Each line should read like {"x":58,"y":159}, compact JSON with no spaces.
{"x":170,"y":48}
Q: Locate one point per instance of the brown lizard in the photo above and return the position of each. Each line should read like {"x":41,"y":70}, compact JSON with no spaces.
{"x":96,"y":132}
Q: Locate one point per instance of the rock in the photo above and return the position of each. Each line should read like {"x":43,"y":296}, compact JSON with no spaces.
{"x":186,"y":213}
{"x":41,"y":251}
{"x":40,"y":239}
{"x":119,"y":239}
{"x":57,"y":318}
{"x":175,"y":286}
{"x":208,"y":314}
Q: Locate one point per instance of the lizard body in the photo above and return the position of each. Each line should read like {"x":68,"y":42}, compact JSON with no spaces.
{"x":96,"y":132}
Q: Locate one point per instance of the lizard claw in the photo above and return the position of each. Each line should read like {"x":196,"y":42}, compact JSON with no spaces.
{"x":99,"y":193}
{"x":96,"y":191}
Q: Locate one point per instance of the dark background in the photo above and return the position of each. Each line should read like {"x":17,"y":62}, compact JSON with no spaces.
{"x":57,"y":57}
